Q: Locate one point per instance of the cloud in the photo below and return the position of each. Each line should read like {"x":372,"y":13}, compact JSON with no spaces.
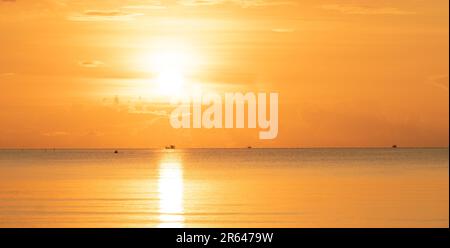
{"x":200,"y":2}
{"x":7,"y":74}
{"x":283,"y":30}
{"x":91,"y":64}
{"x":262,"y":3}
{"x":138,"y":106}
{"x":440,"y":81}
{"x":351,"y":9}
{"x":12,"y":10}
{"x":160,"y":113}
{"x":146,"y":7}
{"x":104,"y":15}
{"x":55,"y":134}
{"x":94,"y":133}
{"x":241,"y":3}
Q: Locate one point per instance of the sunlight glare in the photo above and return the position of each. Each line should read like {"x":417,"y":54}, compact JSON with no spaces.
{"x":171,"y":63}
{"x":170,"y":188}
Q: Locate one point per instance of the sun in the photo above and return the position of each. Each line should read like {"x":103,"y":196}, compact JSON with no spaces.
{"x":170,"y":68}
{"x":171,"y":65}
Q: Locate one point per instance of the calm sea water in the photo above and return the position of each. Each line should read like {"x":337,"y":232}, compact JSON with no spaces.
{"x":225,"y":188}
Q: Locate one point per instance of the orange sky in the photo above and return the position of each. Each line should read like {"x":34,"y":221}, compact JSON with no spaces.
{"x":349,"y":73}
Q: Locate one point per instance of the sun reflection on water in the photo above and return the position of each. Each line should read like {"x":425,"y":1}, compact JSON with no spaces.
{"x":170,"y":192}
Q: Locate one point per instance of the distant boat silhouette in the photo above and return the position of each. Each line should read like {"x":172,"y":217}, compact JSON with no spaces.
{"x":116,"y":151}
{"x":249,"y":147}
{"x":394,"y":146}
{"x":171,"y":147}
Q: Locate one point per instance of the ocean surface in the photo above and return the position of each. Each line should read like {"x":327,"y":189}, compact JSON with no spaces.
{"x":225,"y":188}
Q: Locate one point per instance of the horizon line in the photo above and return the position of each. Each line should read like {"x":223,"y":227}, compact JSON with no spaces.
{"x":250,"y":147}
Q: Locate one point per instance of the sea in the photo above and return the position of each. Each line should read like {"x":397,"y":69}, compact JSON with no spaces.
{"x":335,"y":187}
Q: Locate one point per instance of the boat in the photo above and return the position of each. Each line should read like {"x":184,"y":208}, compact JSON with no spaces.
{"x":171,"y":147}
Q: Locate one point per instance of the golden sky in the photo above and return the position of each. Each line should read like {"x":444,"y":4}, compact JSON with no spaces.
{"x":88,"y":73}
